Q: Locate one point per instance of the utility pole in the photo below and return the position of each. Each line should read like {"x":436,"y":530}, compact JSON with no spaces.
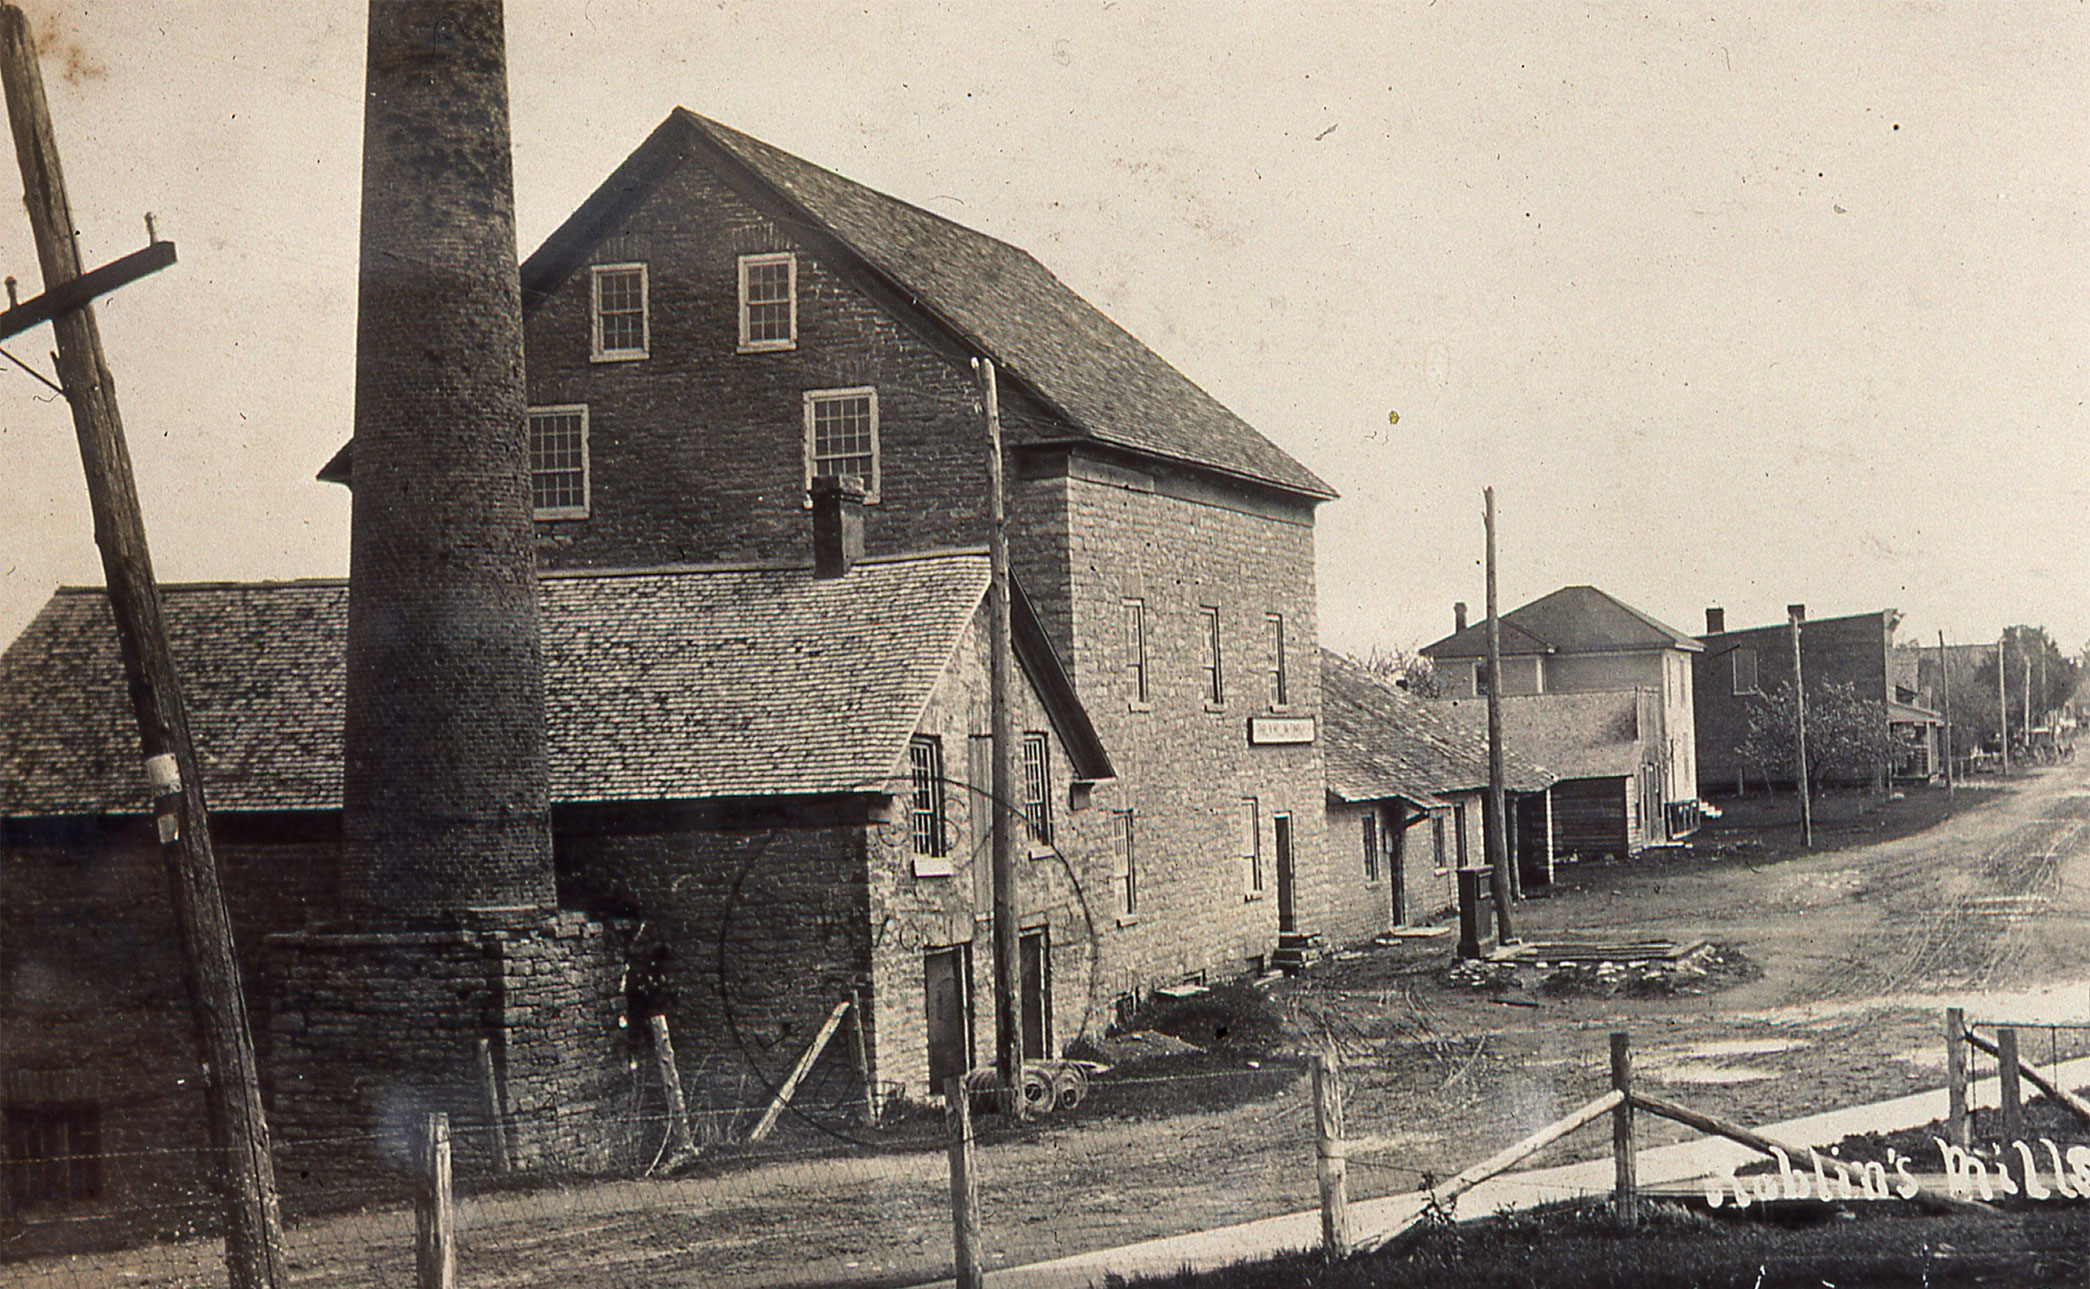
{"x":2026,"y":723}
{"x":1008,"y":1029}
{"x":1497,"y":839}
{"x":1795,"y":615}
{"x":2002,"y":708}
{"x":238,"y":1133}
{"x":1945,"y":689}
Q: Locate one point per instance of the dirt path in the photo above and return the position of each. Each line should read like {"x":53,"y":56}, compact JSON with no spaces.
{"x":1858,"y":950}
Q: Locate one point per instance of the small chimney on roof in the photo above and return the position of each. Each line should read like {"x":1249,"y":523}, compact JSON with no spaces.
{"x":1796,"y":612}
{"x":1715,"y":620}
{"x":838,"y":524}
{"x":1458,"y":615}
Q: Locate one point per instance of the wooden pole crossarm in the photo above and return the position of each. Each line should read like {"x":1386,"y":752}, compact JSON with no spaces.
{"x":70,"y":295}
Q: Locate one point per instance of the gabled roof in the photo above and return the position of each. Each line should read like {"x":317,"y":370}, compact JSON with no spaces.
{"x":1380,"y":741}
{"x":1573,"y":619}
{"x":1105,"y":386}
{"x":672,"y":684}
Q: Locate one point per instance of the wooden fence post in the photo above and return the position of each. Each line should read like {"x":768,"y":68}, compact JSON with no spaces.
{"x":861,"y":1047}
{"x":965,"y":1185}
{"x":435,"y":1223}
{"x":1626,"y":1197}
{"x":496,"y":1120}
{"x":2007,"y":1077}
{"x":680,"y":1146}
{"x":1331,"y":1166}
{"x":1956,"y":1076}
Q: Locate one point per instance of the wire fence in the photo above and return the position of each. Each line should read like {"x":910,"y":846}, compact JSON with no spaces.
{"x":1224,"y":1156}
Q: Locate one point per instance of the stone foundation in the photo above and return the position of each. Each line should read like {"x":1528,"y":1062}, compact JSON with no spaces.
{"x":369,"y":1032}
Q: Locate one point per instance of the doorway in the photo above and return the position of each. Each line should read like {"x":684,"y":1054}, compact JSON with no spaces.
{"x":1286,"y":912}
{"x":947,"y":995}
{"x":1034,"y":988}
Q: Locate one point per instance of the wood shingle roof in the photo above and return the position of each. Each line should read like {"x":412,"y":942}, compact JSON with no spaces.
{"x":1382,"y":741}
{"x":671,"y":684}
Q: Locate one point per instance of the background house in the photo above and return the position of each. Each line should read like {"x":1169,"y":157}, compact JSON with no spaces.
{"x":721,"y":322}
{"x":1604,"y":700}
{"x":1739,"y":668}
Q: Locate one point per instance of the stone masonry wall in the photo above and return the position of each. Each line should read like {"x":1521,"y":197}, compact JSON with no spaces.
{"x":697,"y":451}
{"x":1064,"y":888}
{"x":749,"y":926}
{"x":1185,"y":765}
{"x":368,"y":1033}
{"x":93,"y":1009}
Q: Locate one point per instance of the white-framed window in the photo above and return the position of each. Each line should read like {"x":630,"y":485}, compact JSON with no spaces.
{"x":925,"y":814}
{"x":768,"y":302}
{"x":1037,"y":786}
{"x":620,"y":331}
{"x":1280,"y":682}
{"x":842,"y":435}
{"x":1136,"y":652}
{"x":559,"y":462}
{"x":1251,"y":848}
{"x":1215,"y":679}
{"x":1745,"y":681}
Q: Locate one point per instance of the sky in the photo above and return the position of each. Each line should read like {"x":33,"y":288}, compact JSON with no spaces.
{"x":1736,"y":305}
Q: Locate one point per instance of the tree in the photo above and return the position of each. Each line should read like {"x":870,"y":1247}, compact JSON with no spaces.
{"x":1847,"y":734}
{"x":1405,"y":668}
{"x":2054,"y":679}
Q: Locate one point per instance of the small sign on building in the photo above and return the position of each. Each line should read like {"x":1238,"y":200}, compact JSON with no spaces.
{"x":1268,"y":730}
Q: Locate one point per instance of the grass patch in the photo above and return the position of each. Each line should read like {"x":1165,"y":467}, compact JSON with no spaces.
{"x":1583,"y":1247}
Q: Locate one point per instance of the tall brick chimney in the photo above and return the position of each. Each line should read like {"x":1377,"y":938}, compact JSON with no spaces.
{"x":1458,"y":615}
{"x":445,"y":796}
{"x":1715,"y":620}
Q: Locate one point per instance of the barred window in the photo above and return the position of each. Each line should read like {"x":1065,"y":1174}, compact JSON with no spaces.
{"x":1251,"y":846}
{"x":926,"y":817}
{"x":768,"y":302}
{"x":1215,"y":682}
{"x":1037,"y":786}
{"x":1126,"y":862}
{"x":1136,"y":649}
{"x":842,"y":436}
{"x":620,"y":330}
{"x":51,"y":1152}
{"x":1279,"y":686}
{"x":559,"y":462}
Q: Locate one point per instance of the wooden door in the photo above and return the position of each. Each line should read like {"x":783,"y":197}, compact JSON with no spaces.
{"x":1286,"y":913}
{"x":1034,"y":969}
{"x":949,"y":1007}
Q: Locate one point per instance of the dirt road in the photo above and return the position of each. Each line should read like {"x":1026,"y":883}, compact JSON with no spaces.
{"x":1858,"y":950}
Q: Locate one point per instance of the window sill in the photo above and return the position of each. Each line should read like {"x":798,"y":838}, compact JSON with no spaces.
{"x":1128,"y":919}
{"x":1139,"y":707}
{"x":558,"y":516}
{"x":1215,"y":707}
{"x":766,"y":346}
{"x":1250,"y":897}
{"x":1280,"y":709}
{"x":618,"y":356}
{"x":933,"y":866}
